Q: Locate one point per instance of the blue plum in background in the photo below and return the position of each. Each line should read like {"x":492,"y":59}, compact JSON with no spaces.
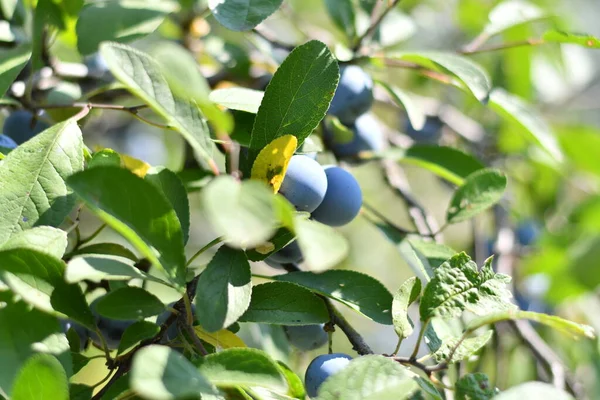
{"x":527,"y":232}
{"x":304,"y":184}
{"x":290,"y":253}
{"x":81,"y":331}
{"x":343,"y":199}
{"x":430,"y":133}
{"x":7,"y":143}
{"x":172,"y":331}
{"x":306,"y":337}
{"x":112,"y":330}
{"x":354,"y":94}
{"x":321,"y":368}
{"x":97,"y":67}
{"x":367,"y":136}
{"x":18,"y":127}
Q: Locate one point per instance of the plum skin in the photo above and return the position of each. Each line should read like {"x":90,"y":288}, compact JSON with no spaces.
{"x":430,"y":133}
{"x":304,"y":184}
{"x":353,"y":96}
{"x":7,"y":142}
{"x":343,"y":198}
{"x":367,"y":136}
{"x":321,"y":368}
{"x":527,"y":232}
{"x":290,"y":253}
{"x":306,"y":337}
{"x":17,"y":126}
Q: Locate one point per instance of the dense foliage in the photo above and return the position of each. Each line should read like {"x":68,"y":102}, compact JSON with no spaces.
{"x":266,"y":200}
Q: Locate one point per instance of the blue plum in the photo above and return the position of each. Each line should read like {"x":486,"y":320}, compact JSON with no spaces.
{"x":527,"y":232}
{"x":112,"y":330}
{"x":430,"y":133}
{"x":368,"y":136}
{"x":17,"y":126}
{"x":7,"y":143}
{"x":82,"y":332}
{"x":172,"y":331}
{"x":306,"y":337}
{"x":304,"y":184}
{"x":97,"y":67}
{"x":354,"y":94}
{"x":321,"y":368}
{"x":290,"y":253}
{"x":343,"y":199}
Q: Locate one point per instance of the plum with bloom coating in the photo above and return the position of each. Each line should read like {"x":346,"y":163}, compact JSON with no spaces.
{"x":321,"y":368}
{"x":353,"y":96}
{"x":304,"y":184}
{"x":343,"y":199}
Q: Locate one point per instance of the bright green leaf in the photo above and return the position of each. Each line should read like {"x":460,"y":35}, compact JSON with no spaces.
{"x":224,"y":288}
{"x":466,"y":349}
{"x":356,"y":290}
{"x":12,"y":61}
{"x":238,"y":98}
{"x":508,"y":14}
{"x":129,"y":303}
{"x":432,"y":252}
{"x":103,"y":267}
{"x":404,"y":297}
{"x":534,"y":390}
{"x":44,"y":239}
{"x":285,"y":303}
{"x":41,"y":377}
{"x":322,"y":246}
{"x":475,"y":386}
{"x":242,"y":15}
{"x":138,"y":211}
{"x":588,"y":41}
{"x":32,"y":179}
{"x":481,"y":190}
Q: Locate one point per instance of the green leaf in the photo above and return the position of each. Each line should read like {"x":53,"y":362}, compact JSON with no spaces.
{"x":322,"y":246}
{"x":584,"y":40}
{"x":466,"y":349}
{"x":20,"y":328}
{"x":511,"y":13}
{"x":564,"y":326}
{"x":138,"y":211}
{"x":135,"y":333}
{"x":279,"y":240}
{"x":356,"y":290}
{"x":404,"y":297}
{"x":295,"y":386}
{"x":106,"y":249}
{"x":238,"y":98}
{"x":242,"y":15}
{"x":141,"y":74}
{"x":12,"y":61}
{"x":104,"y":267}
{"x":472,"y":75}
{"x":284,"y":303}
{"x":575,"y":142}
{"x":446,"y":162}
{"x":431,"y":252}
{"x":129,"y":303}
{"x":47,"y":14}
{"x":481,"y":190}
{"x":297,"y":97}
{"x":32,"y":179}
{"x":405,"y":99}
{"x":534,"y":390}
{"x":79,"y":391}
{"x":105,"y":158}
{"x":244,"y":213}
{"x":343,"y":15}
{"x":242,"y":367}
{"x":475,"y":386}
{"x":532,"y":125}
{"x":44,"y":239}
{"x":224,"y":289}
{"x":8,"y":8}
{"x":458,"y":286}
{"x":370,"y":377}
{"x":41,"y":377}
{"x":159,"y":373}
{"x":169,"y":184}
{"x":120,"y":21}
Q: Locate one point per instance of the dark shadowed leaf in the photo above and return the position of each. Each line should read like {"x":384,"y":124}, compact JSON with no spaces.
{"x":129,"y":303}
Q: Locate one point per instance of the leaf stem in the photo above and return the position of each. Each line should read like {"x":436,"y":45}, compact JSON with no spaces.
{"x":203,"y":249}
{"x":413,"y":356}
{"x":192,"y":336}
{"x":88,"y":239}
{"x":375,"y":21}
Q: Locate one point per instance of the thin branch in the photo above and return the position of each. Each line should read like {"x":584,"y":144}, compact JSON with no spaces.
{"x":273,"y":41}
{"x":366,"y":36}
{"x":357,"y":341}
{"x":502,"y":46}
{"x":184,"y":326}
{"x":203,"y":249}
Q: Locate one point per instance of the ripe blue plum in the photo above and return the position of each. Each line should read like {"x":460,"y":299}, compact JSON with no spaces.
{"x":97,"y":67}
{"x":367,"y":136}
{"x":430,"y":133}
{"x":354,"y":94}
{"x":112,"y":330}
{"x":172,"y":331}
{"x":321,"y":368}
{"x":343,"y":199}
{"x":304,"y":184}
{"x":527,"y":232}
{"x":81,"y":331}
{"x":7,"y":143}
{"x":17,"y":126}
{"x":307,"y":337}
{"x":290,"y":253}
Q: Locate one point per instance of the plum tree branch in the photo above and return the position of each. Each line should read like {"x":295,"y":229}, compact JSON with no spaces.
{"x":358,"y":44}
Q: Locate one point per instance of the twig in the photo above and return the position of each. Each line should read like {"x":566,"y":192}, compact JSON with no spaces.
{"x":184,"y":326}
{"x":203,"y":249}
{"x":373,"y":26}
{"x":470,"y":49}
{"x":273,"y":41}
{"x":357,"y":341}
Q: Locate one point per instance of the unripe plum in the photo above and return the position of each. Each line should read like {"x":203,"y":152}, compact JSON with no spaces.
{"x":354,"y":94}
{"x":430,"y":133}
{"x":17,"y":126}
{"x":304,"y":184}
{"x":343,"y":198}
{"x":321,"y":368}
{"x":306,"y":337}
{"x":367,"y":136}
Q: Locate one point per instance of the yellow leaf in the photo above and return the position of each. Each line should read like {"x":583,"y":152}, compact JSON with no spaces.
{"x":224,"y":339}
{"x":138,"y":167}
{"x":272,"y":161}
